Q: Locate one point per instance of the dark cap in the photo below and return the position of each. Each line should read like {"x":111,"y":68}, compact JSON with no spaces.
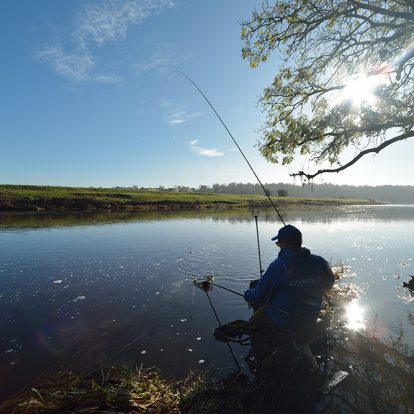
{"x":288,"y":233}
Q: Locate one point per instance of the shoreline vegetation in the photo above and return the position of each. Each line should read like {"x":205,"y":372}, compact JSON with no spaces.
{"x":27,"y":198}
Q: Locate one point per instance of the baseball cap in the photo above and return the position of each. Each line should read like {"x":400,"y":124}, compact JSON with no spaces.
{"x":288,"y":232}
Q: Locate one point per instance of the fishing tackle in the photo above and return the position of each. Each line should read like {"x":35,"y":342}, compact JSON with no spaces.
{"x":205,"y":285}
{"x":208,"y":284}
{"x":234,"y":140}
{"x":255,"y":214}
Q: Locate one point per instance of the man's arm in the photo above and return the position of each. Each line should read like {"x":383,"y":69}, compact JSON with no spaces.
{"x":329,"y":278}
{"x":263,"y":291}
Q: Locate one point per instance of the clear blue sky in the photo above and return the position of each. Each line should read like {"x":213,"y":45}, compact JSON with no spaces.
{"x":86,"y":99}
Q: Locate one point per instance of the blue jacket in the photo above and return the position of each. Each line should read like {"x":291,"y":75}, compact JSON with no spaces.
{"x":292,"y":288}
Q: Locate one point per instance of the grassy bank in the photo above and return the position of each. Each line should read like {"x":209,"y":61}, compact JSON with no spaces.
{"x":45,"y":198}
{"x":123,"y":389}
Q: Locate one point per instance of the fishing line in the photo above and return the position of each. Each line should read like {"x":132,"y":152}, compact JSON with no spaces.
{"x":111,"y":358}
{"x":234,"y":140}
{"x":70,"y":354}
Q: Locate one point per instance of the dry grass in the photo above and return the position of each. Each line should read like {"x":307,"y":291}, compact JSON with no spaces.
{"x":126,"y":390}
{"x":118,"y":390}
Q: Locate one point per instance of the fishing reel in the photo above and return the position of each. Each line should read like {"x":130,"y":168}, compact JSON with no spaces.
{"x":206,"y":284}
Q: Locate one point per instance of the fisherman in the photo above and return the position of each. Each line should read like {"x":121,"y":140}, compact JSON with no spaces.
{"x":288,"y":297}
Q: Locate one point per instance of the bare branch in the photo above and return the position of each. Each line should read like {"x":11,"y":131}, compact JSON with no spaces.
{"x":382,"y":11}
{"x":355,"y":159}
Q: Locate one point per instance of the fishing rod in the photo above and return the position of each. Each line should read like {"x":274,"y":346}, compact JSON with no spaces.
{"x":207,"y":284}
{"x":234,"y":140}
{"x":229,"y":290}
{"x":256,"y":215}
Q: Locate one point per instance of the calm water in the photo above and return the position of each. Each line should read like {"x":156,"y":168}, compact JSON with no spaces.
{"x":78,"y":290}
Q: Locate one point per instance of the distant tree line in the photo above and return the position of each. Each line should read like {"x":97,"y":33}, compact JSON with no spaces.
{"x":395,"y":194}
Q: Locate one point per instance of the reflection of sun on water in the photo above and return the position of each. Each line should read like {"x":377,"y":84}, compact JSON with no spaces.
{"x":354,"y":314}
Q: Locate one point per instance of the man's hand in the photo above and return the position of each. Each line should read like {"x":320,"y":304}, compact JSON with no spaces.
{"x":253,"y":283}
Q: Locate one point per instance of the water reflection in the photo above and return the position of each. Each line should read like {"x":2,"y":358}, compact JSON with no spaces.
{"x":111,"y":285}
{"x":303,"y":214}
{"x":381,"y":376}
{"x":354,"y":314}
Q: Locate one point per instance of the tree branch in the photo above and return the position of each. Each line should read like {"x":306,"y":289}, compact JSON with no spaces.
{"x":382,"y":11}
{"x":355,"y":159}
{"x":323,"y":45}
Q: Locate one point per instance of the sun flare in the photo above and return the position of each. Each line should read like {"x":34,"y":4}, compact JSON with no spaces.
{"x":354,"y":314}
{"x":360,"y":90}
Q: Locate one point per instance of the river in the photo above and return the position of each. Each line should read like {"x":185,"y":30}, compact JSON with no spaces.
{"x":77,"y":290}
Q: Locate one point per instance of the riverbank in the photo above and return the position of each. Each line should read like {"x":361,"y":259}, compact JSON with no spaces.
{"x":123,"y":389}
{"x":15,"y":198}
{"x":131,"y":389}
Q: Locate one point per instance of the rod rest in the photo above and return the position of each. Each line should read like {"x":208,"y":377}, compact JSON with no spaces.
{"x":240,"y":331}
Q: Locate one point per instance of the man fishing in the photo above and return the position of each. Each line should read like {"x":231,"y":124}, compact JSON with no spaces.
{"x":288,"y":297}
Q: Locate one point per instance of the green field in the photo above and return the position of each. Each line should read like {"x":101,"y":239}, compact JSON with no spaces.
{"x":45,"y":198}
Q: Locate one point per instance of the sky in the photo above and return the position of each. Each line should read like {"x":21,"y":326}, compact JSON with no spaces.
{"x":88,"y":97}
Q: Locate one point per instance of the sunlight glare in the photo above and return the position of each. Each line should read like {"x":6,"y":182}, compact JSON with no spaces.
{"x":354,"y":316}
{"x":360,"y":89}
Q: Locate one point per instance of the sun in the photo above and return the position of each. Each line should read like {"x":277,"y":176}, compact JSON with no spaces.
{"x":360,"y":90}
